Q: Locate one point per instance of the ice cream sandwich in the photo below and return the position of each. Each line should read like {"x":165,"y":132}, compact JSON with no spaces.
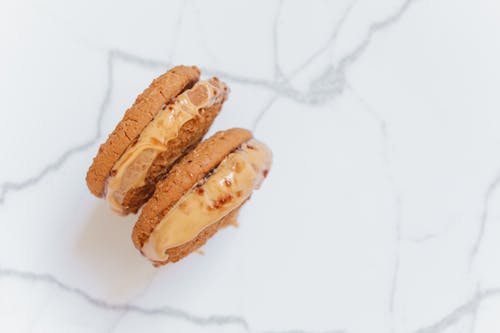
{"x":166,"y":121}
{"x":201,"y":194}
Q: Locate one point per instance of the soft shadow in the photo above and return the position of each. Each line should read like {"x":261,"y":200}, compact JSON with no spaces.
{"x":105,"y":250}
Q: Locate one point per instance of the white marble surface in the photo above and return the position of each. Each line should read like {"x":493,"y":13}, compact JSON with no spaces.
{"x":382,"y":210}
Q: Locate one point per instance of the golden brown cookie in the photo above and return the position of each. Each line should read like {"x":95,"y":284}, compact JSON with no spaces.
{"x":168,"y":119}
{"x":200,"y":194}
{"x":145,"y":108}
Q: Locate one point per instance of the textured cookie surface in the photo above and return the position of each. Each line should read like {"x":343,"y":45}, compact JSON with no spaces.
{"x":189,"y":136}
{"x":183,"y":176}
{"x":145,"y":108}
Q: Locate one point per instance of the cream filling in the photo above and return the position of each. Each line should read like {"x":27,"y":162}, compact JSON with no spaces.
{"x":132,"y":167}
{"x":230,"y":184}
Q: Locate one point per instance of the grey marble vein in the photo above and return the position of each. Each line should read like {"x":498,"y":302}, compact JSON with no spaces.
{"x":263,"y":111}
{"x":420,"y":239}
{"x":397,"y":256}
{"x":374,"y":29}
{"x":473,"y":315}
{"x":472,"y":326}
{"x":201,"y":31}
{"x":396,"y":196}
{"x":139,"y":60}
{"x":278,"y":73}
{"x":332,"y":81}
{"x":281,"y":88}
{"x":177,"y":28}
{"x":306,"y":331}
{"x":12,"y":186}
{"x":213,"y":320}
{"x":469,"y":308}
{"x":123,"y":313}
{"x":329,"y":43}
{"x":423,"y":238}
{"x":490,"y":190}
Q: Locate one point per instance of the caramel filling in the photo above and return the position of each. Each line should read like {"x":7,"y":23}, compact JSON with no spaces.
{"x":225,"y":189}
{"x":131,"y":169}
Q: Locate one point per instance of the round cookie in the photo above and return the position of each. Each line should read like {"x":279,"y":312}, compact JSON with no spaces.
{"x":178,"y":114}
{"x":188,"y":136}
{"x":185,"y":180}
{"x":136,"y":118}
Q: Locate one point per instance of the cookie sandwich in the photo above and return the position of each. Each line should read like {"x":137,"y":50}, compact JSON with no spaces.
{"x":165,"y":122}
{"x":201,"y":194}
